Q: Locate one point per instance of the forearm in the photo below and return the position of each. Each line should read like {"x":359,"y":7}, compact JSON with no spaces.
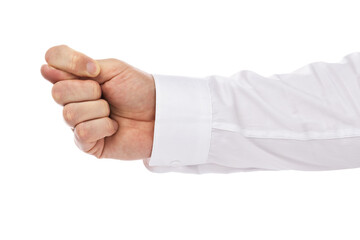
{"x":305,"y":120}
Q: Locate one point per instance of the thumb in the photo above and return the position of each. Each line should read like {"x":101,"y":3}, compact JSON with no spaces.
{"x":109,"y":69}
{"x":67,"y":59}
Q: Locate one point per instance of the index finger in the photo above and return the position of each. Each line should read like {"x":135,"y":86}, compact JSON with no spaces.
{"x":67,"y":59}
{"x":54,"y":75}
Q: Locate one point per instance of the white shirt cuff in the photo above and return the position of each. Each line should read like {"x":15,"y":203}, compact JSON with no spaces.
{"x":183,"y":119}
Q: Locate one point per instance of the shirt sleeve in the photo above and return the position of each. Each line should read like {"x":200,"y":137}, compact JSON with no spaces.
{"x":308,"y":119}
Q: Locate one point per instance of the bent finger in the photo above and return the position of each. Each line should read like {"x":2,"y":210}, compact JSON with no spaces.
{"x":54,"y":75}
{"x":75,"y":113}
{"x":87,"y":133}
{"x":68,"y":91}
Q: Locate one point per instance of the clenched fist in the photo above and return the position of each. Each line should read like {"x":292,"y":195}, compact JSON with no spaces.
{"x":109,"y":104}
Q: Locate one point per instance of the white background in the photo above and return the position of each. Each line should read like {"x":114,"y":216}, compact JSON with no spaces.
{"x":51,"y":190}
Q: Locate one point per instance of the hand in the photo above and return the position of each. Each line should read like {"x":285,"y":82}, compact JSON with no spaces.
{"x":109,"y":104}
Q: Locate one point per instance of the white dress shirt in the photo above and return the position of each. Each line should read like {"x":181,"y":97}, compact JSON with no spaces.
{"x":305,"y":120}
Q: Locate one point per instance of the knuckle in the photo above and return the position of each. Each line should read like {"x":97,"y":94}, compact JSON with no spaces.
{"x":57,"y":93}
{"x":53,"y":51}
{"x":82,"y":132}
{"x":69,"y":114}
{"x":96,"y":89}
{"x":74,"y":62}
{"x":48,"y":54}
{"x":62,"y":46}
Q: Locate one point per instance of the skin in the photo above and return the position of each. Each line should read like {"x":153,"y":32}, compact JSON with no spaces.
{"x":109,"y":104}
